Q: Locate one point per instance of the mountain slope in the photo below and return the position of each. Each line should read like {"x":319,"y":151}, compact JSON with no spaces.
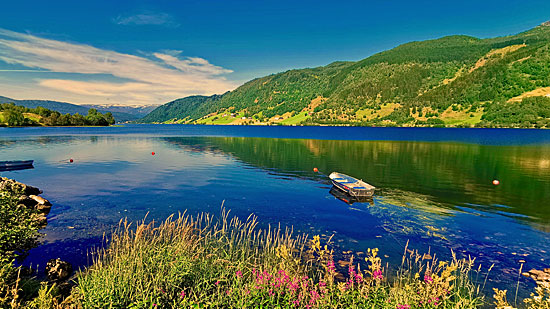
{"x":453,"y":81}
{"x":121,"y":113}
{"x":64,"y":108}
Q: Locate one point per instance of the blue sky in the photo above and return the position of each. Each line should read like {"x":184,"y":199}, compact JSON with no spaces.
{"x":150,"y":52}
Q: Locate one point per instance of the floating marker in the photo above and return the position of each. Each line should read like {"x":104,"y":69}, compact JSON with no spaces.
{"x":315,"y":169}
{"x":153,"y":153}
{"x":496,"y":182}
{"x":70,"y":160}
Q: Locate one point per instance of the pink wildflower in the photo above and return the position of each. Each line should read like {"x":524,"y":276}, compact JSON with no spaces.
{"x":330,"y":266}
{"x":377,"y":274}
{"x":239,"y":274}
{"x":217,"y":282}
{"x":428,"y":279}
{"x":314,"y":297}
{"x":399,"y":306}
{"x":182,"y":294}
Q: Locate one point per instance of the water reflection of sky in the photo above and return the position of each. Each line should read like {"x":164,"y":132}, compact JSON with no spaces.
{"x":118,"y":177}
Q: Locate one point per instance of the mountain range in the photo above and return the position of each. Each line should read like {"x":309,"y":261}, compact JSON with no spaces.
{"x":456,"y":80}
{"x":121,"y":113}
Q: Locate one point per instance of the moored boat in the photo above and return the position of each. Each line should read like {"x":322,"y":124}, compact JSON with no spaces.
{"x":351,"y":185}
{"x":15,"y":165}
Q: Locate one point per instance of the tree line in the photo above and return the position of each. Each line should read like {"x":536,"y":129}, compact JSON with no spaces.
{"x":17,"y":116}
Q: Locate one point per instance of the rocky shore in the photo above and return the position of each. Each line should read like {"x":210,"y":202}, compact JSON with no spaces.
{"x":542,"y":277}
{"x":28,"y":196}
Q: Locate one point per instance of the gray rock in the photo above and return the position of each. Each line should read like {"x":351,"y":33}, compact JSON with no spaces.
{"x":58,"y":270}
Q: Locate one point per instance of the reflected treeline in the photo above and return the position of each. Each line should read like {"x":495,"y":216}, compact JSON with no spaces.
{"x":451,"y":173}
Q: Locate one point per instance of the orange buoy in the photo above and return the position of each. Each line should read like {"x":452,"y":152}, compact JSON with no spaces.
{"x":315,"y":169}
{"x":70,"y":160}
{"x":153,"y":153}
{"x":496,"y":182}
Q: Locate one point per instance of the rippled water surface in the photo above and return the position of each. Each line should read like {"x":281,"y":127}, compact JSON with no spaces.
{"x":435,"y":185}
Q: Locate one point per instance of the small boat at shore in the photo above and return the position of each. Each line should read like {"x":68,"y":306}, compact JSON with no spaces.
{"x":351,"y":185}
{"x":15,"y":165}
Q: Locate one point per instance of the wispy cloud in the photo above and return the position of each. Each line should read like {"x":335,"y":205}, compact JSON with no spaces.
{"x":147,"y":18}
{"x":142,"y":79}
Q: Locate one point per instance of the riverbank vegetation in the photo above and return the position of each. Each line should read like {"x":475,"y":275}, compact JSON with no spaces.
{"x":19,"y":227}
{"x":203,"y":262}
{"x":17,"y":116}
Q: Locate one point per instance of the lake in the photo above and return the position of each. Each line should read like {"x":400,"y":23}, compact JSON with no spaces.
{"x":434,"y":186}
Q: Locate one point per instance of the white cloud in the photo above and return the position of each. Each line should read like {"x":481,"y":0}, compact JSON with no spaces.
{"x":150,"y":79}
{"x":147,"y":18}
{"x":193,"y":65}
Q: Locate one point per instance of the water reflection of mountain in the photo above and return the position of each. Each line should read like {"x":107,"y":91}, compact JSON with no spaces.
{"x":453,"y":174}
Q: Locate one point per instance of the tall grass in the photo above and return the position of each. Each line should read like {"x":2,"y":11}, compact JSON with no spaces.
{"x":200,"y":261}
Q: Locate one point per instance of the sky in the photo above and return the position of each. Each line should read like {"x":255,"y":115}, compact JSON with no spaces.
{"x":151,"y":52}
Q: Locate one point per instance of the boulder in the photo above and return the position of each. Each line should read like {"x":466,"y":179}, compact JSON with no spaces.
{"x":58,"y":270}
{"x":27,"y":201}
{"x":40,"y":200}
{"x":30,"y":190}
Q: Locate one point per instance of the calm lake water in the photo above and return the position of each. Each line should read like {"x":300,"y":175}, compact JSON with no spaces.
{"x":435,"y":186}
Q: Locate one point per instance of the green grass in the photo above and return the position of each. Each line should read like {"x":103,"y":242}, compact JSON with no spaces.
{"x":298,"y":118}
{"x":219,"y":119}
{"x":202,"y":262}
{"x":467,"y":120}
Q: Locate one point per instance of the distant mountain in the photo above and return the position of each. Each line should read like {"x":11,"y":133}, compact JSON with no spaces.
{"x":451,"y":81}
{"x":121,"y":113}
{"x":62,"y":107}
{"x":137,"y":111}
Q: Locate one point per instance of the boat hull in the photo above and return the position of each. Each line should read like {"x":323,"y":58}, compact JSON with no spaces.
{"x":15,"y":165}
{"x":347,"y":198}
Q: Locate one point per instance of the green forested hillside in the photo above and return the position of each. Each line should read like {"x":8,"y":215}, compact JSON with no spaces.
{"x":451,"y":81}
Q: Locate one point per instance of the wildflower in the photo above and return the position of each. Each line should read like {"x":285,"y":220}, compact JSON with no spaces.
{"x":182,"y":294}
{"x":399,"y":306}
{"x":330,"y":266}
{"x":217,"y":282}
{"x":239,"y":274}
{"x":428,"y":279}
{"x":314,"y":297}
{"x":155,"y":305}
{"x":377,"y":274}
